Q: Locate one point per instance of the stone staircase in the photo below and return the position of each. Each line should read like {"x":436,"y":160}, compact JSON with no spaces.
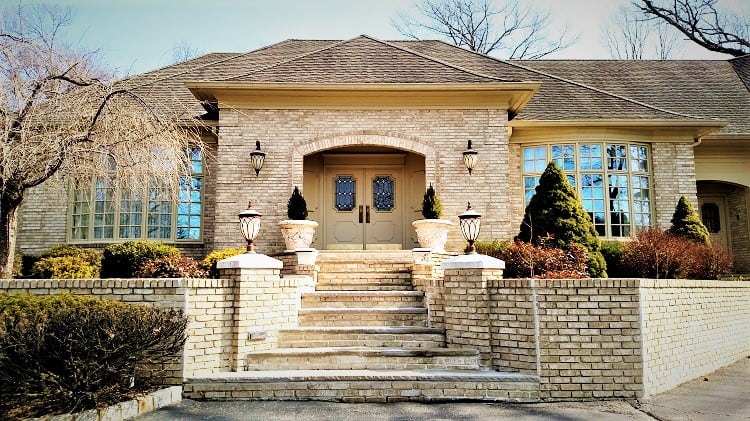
{"x":363,"y":336}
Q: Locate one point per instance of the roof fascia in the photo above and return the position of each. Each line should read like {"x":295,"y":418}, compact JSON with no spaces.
{"x":651,"y":130}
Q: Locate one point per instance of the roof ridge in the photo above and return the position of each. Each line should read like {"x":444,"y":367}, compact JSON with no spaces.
{"x":436,"y":60}
{"x":271,"y":66}
{"x":204,"y":65}
{"x":572,"y":82}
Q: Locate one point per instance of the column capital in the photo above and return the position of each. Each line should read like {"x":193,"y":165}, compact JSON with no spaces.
{"x":250,"y":261}
{"x":473,"y":261}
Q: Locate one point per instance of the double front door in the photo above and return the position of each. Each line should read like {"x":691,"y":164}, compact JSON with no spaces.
{"x":364,"y":207}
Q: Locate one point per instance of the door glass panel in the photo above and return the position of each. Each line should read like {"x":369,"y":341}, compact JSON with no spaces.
{"x":344,"y":188}
{"x":710,"y":217}
{"x":383,"y":193}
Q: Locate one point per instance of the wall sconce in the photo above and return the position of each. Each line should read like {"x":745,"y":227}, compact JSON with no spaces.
{"x":469,"y":222}
{"x":250,"y":225}
{"x":257,"y":157}
{"x":470,"y":158}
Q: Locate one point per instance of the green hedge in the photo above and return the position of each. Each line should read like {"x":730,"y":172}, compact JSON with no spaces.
{"x":126,"y":260}
{"x":63,"y":353}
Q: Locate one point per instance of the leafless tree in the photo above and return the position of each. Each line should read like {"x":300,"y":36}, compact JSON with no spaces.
{"x":630,"y":36}
{"x":703,"y":23}
{"x":513,"y":29}
{"x":182,"y":51}
{"x":62,"y":119}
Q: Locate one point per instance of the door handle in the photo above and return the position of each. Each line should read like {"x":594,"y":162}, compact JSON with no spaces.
{"x":367,"y":214}
{"x":360,"y":214}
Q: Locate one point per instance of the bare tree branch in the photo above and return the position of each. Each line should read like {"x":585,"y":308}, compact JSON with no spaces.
{"x":516,"y":31}
{"x":629,"y":36}
{"x":703,"y":23}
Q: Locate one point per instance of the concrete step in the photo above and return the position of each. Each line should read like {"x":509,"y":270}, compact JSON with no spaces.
{"x":363,"y":316}
{"x":364,"y":282}
{"x":346,"y":286}
{"x":365,"y":386}
{"x":385,"y":336}
{"x":364,"y":277}
{"x":364,"y":358}
{"x":363,"y":299}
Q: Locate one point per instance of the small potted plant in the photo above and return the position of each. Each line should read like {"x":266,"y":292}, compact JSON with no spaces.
{"x":298,"y":232}
{"x":432,"y":232}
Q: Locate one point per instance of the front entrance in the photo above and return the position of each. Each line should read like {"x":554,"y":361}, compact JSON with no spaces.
{"x":363,"y":207}
{"x":713,"y":211}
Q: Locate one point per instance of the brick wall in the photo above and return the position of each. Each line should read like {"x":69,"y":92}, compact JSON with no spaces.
{"x":287,"y":135}
{"x":673,"y":166}
{"x":582,"y":337}
{"x":691,"y":328}
{"x":739,"y":228}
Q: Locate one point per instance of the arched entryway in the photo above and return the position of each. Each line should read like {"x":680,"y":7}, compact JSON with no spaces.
{"x":364,"y":196}
{"x":723,"y":207}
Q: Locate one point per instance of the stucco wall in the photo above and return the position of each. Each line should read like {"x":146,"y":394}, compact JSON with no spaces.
{"x":691,"y":328}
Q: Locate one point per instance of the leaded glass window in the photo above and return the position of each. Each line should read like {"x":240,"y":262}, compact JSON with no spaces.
{"x":710,"y":217}
{"x":344,"y":191}
{"x":612,"y":181}
{"x":383,"y":193}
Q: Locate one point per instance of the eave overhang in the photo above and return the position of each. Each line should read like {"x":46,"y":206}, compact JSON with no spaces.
{"x":512,"y":96}
{"x":647,"y":130}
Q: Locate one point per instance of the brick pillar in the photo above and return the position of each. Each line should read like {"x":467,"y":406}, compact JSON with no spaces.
{"x":256,"y":281}
{"x":467,"y":302}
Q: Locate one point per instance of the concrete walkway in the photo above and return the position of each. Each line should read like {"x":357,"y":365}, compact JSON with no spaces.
{"x":725,"y":395}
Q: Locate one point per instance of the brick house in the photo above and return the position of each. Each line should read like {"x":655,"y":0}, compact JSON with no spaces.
{"x":364,"y":116}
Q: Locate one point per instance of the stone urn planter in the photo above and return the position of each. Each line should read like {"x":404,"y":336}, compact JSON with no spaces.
{"x":297,"y":233}
{"x":432,"y":233}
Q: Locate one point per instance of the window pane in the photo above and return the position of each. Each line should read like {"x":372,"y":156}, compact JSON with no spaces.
{"x":564,"y":156}
{"x":189,"y":209}
{"x":344,"y":192}
{"x":80,"y":213}
{"x":616,"y":157}
{"x":535,"y":159}
{"x":639,"y":158}
{"x":383,"y":193}
{"x":591,"y":156}
{"x":104,"y":209}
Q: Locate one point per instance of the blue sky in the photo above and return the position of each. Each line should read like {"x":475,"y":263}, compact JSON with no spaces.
{"x":138,"y":35}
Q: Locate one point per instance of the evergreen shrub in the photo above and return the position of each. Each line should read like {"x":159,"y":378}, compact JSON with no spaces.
{"x":296,"y":208}
{"x":65,"y":354}
{"x":555,"y":215}
{"x":687,"y":224}
{"x":64,"y":267}
{"x":432,"y":208}
{"x":209,"y":262}
{"x":125,"y":260}
{"x":92,"y":257}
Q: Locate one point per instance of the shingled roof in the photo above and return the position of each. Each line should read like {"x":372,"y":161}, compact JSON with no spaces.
{"x":570,"y":90}
{"x":704,"y":88}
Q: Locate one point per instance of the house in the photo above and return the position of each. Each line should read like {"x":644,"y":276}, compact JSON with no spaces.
{"x":364,"y":125}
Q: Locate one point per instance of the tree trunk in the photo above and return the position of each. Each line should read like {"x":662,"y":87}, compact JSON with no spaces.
{"x":8,"y":226}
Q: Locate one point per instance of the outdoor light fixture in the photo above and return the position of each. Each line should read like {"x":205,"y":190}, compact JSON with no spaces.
{"x":470,"y":158}
{"x":469,"y":222}
{"x":250,"y":225}
{"x":257,"y":157}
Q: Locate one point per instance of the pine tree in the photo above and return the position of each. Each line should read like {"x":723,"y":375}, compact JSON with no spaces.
{"x":687,"y":224}
{"x":296,"y":209}
{"x":555,"y":215}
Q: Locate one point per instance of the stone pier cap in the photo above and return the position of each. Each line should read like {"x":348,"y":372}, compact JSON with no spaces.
{"x":250,"y":261}
{"x":473,"y":261}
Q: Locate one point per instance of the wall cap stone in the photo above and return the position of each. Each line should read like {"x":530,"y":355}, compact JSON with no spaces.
{"x":473,"y":261}
{"x":250,"y":261}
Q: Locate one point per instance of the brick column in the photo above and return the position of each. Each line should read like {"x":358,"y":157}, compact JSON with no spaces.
{"x":256,"y":281}
{"x":467,"y":302}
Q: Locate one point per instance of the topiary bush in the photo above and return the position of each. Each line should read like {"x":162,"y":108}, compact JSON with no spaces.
{"x":612,"y":254}
{"x":687,"y":224}
{"x":92,"y":257}
{"x":431,"y":206}
{"x":172,"y":267}
{"x":64,"y":267}
{"x":555,"y":215}
{"x":296,"y":208}
{"x":209,"y":262}
{"x":125,"y":260}
{"x":63,"y":353}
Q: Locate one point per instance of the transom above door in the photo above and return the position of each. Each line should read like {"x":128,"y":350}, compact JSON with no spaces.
{"x":364,"y":207}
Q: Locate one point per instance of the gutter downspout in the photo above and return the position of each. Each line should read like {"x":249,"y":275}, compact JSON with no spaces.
{"x":697,"y":141}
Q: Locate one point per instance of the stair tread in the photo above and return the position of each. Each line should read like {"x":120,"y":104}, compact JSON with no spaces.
{"x":368,"y":329}
{"x":364,"y":293}
{"x":368,"y":351}
{"x":404,"y":310}
{"x":397,"y":375}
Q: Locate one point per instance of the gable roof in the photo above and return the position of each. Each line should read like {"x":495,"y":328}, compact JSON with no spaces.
{"x":363,"y":60}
